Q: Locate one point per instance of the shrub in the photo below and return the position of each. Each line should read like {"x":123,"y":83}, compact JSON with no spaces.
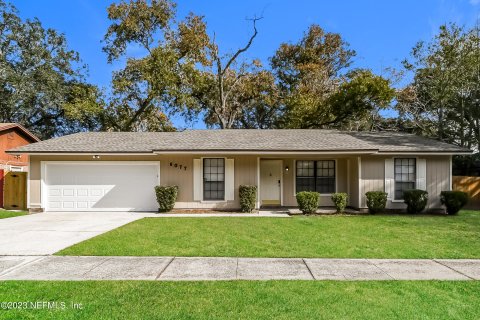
{"x":415,"y":199}
{"x":340,"y":200}
{"x":166,"y":197}
{"x":376,"y":201}
{"x":248,"y":198}
{"x":308,"y":201}
{"x":453,"y":200}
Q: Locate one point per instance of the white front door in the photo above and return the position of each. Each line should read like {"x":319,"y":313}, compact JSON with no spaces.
{"x":100,"y":186}
{"x":270,"y":182}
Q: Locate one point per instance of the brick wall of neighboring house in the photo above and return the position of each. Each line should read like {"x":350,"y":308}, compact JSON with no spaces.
{"x":10,"y":139}
{"x":11,"y":136}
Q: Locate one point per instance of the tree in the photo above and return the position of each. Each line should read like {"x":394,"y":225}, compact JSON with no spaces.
{"x":140,"y":88}
{"x":234,"y":88}
{"x":317,"y":87}
{"x":261,"y":107}
{"x":42,"y":81}
{"x":182,"y":71}
{"x":357,"y":102}
{"x":229,"y":92}
{"x":442,"y":100}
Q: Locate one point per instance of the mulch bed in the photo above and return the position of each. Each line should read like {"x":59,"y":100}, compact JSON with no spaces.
{"x":204,"y":211}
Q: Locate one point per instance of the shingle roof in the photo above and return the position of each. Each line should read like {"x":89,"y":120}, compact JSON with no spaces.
{"x":294,"y":140}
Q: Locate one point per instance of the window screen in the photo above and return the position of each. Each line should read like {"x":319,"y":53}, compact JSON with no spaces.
{"x":316,"y":176}
{"x":214,"y":179}
{"x":405,"y":176}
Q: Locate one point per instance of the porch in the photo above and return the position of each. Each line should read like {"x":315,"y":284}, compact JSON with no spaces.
{"x":280,"y":178}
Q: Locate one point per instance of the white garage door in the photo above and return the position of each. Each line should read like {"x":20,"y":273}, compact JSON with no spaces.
{"x":100,"y":186}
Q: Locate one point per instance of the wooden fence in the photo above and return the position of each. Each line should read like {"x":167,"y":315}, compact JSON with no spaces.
{"x":470,"y":185}
{"x":15,"y":191}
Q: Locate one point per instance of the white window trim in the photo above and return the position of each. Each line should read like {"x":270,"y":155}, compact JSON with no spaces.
{"x":282,"y":166}
{"x":394,"y":181}
{"x":259,"y":201}
{"x":28,"y":186}
{"x":361,"y":196}
{"x":43,"y":172}
{"x":348,"y":179}
{"x":225,"y":183}
{"x":295,"y":176}
{"x":450,"y":169}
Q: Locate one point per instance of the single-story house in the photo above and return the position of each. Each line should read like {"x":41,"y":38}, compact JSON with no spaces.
{"x":117,"y":171}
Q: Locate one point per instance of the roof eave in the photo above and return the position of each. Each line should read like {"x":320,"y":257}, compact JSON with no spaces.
{"x":260,"y":152}
{"x":433,"y":152}
{"x":243,"y":152}
{"x":52,"y":153}
{"x":208,"y":151}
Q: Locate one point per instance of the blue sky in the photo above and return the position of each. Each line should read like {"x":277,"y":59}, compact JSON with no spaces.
{"x":382,"y":32}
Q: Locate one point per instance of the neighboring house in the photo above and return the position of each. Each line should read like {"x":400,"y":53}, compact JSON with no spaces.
{"x":12,"y":183}
{"x":109,"y":171}
{"x":14,"y":135}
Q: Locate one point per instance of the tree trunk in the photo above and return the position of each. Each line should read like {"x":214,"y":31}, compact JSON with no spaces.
{"x":440,"y":123}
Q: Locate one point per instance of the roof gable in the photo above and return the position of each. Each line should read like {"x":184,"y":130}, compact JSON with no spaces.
{"x":19,"y":128}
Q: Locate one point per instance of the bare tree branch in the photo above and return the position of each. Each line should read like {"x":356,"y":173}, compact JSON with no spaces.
{"x":242,"y":50}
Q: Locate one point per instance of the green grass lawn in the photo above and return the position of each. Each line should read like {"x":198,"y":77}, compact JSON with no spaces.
{"x":8,"y":214}
{"x":247,"y":300}
{"x":387,"y":236}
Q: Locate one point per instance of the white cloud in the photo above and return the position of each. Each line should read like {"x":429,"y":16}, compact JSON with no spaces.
{"x":474,"y":2}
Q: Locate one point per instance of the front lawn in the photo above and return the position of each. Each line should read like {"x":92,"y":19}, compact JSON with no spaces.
{"x":387,"y":236}
{"x":246,"y":300}
{"x":8,"y":214}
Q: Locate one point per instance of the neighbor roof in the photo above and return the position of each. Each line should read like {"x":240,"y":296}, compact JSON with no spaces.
{"x":9,"y":125}
{"x":240,"y":140}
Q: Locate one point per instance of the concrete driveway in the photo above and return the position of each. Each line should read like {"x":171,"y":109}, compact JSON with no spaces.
{"x":47,"y":233}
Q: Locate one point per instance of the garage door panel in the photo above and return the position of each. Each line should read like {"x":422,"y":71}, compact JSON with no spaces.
{"x":101,"y":187}
{"x":68,"y":192}
{"x":54,"y":192}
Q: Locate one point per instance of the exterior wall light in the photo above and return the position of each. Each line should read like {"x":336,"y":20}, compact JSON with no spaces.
{"x":286,"y":168}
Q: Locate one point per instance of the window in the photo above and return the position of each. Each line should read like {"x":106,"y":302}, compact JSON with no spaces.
{"x":405,"y":176}
{"x":316,"y":176}
{"x":214,"y":179}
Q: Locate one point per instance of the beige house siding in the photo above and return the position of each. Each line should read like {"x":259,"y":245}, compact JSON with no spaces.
{"x":289,"y":199}
{"x":372,"y":176}
{"x":353,"y":166}
{"x":437,"y":178}
{"x":245,"y":173}
{"x":350,"y":179}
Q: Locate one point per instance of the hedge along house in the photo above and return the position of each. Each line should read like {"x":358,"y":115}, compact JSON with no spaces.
{"x":117,"y":171}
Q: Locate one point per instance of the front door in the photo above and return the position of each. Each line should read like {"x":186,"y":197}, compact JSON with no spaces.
{"x":270,"y":182}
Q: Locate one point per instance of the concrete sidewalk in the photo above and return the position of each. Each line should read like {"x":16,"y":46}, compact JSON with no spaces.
{"x":198,"y":268}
